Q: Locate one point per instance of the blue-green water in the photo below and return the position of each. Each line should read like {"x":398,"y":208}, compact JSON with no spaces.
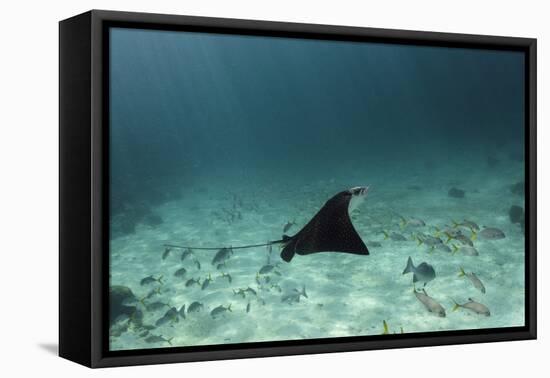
{"x":220,"y":140}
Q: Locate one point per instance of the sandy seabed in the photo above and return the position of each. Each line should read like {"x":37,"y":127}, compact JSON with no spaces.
{"x":347,"y":295}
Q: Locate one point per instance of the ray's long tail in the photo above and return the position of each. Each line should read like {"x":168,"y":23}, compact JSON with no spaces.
{"x":218,"y":248}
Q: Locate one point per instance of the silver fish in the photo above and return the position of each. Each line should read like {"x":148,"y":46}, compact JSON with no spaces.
{"x":473,"y":279}
{"x":451,"y":233}
{"x":192,"y":281}
{"x":464,"y":240}
{"x":162,"y":321}
{"x":155,"y":306}
{"x":374,"y":244}
{"x":158,"y":339}
{"x":171,"y":316}
{"x":251,"y":291}
{"x":412,"y":222}
{"x":172,"y":313}
{"x":466,"y":223}
{"x":186,"y":253}
{"x":266,"y":269}
{"x":428,"y":240}
{"x":222,"y":256}
{"x":491,"y":233}
{"x":150,"y":279}
{"x":431,"y":304}
{"x":152,"y":293}
{"x":195,"y":307}
{"x":220,"y":310}
{"x":288,"y":225}
{"x":240,"y":292}
{"x":228,"y":276}
{"x":466,"y":250}
{"x":206,"y":282}
{"x":294,"y":297}
{"x":394,"y":236}
{"x":443,"y":248}
{"x":474,"y":306}
{"x":180,"y":272}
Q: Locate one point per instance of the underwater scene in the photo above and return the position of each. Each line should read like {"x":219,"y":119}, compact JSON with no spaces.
{"x":267,"y":189}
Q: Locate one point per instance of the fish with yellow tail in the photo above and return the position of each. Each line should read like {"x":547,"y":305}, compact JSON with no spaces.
{"x":465,"y":250}
{"x":473,"y":306}
{"x":466,"y":223}
{"x":385,"y":329}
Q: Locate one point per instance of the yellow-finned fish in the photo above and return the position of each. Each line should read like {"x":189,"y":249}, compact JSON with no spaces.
{"x":385,"y":330}
{"x":474,"y":306}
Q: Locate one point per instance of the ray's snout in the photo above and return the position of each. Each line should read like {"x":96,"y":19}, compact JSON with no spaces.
{"x":359,"y":190}
{"x":358,"y":195}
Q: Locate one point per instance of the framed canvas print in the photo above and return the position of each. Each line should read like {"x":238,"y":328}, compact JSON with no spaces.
{"x":233,"y":188}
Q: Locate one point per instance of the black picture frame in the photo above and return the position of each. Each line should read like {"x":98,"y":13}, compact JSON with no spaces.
{"x":83,"y":195}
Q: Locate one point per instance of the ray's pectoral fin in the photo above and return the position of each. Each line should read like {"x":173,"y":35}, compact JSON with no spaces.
{"x":288,"y":248}
{"x":330,"y":230}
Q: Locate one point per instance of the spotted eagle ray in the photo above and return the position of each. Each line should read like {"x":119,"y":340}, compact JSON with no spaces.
{"x":330,"y":230}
